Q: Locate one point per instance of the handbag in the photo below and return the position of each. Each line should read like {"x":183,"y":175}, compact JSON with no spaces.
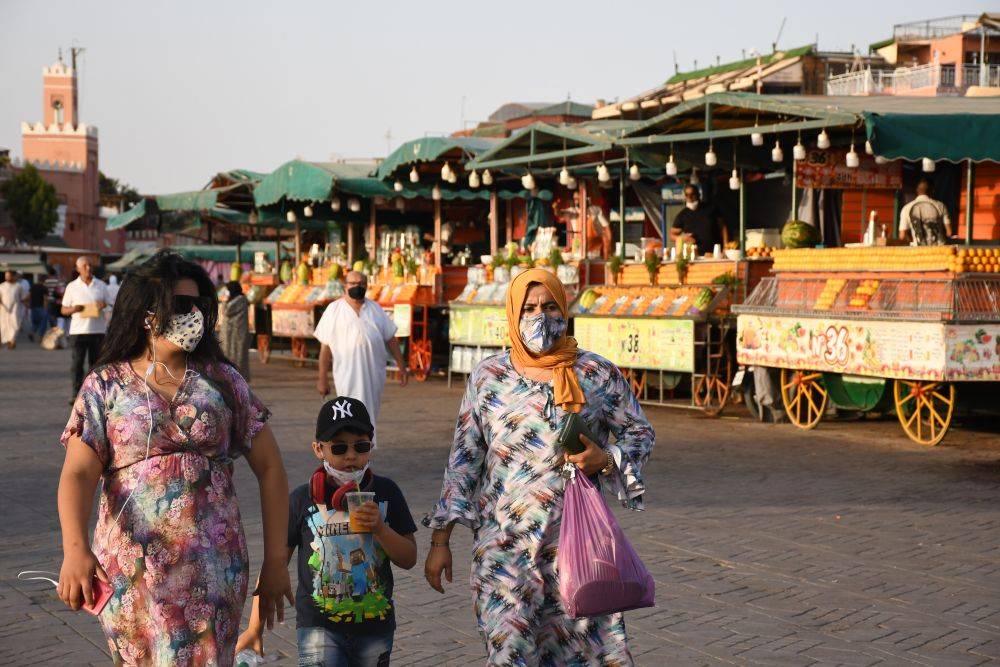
{"x":569,"y":437}
{"x":599,"y":571}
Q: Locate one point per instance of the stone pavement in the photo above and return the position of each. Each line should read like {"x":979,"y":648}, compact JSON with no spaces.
{"x":846,"y":545}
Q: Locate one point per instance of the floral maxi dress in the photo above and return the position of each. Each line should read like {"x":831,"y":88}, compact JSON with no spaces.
{"x":176,"y":556}
{"x":503,"y":481}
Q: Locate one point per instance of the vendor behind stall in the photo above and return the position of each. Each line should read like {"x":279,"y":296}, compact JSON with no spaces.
{"x":925,"y":219}
{"x":699,"y":223}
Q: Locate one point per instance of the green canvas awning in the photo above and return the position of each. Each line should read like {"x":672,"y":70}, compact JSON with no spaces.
{"x":303,"y":181}
{"x":131,"y":258}
{"x":198,"y":200}
{"x":952,"y":137}
{"x":541,"y":142}
{"x":430,"y":149}
{"x":126,"y":218}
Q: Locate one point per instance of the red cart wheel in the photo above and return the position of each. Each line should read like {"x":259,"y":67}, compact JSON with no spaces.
{"x":420,"y":359}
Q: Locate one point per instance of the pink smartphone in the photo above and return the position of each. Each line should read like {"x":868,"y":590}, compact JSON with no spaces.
{"x":102,"y":593}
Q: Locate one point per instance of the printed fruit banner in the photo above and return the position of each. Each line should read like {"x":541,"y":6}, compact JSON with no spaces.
{"x":828,"y":169}
{"x":662,"y":345}
{"x":484,"y":325}
{"x":909,"y":350}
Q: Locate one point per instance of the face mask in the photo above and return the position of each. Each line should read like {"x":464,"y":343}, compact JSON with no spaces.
{"x":357,"y":292}
{"x":185,"y":331}
{"x":344,"y":476}
{"x":541,"y":332}
{"x":693,"y":205}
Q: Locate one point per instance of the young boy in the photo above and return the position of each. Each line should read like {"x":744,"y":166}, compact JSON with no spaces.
{"x":343,"y":604}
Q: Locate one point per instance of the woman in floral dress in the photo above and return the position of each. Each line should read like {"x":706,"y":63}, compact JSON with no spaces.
{"x":160,"y":420}
{"x":504,"y":481}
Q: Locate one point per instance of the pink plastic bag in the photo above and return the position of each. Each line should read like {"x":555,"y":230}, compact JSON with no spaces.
{"x":599,"y":571}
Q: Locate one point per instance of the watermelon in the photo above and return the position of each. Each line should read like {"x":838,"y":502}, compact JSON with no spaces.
{"x":798,"y":234}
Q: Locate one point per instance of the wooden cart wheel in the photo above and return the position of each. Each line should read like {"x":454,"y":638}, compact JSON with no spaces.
{"x":420,"y":359}
{"x":264,"y":348}
{"x":804,"y":397}
{"x":711,"y":390}
{"x":924,"y":409}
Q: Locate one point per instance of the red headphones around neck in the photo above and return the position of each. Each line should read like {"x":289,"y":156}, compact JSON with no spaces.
{"x":319,"y":489}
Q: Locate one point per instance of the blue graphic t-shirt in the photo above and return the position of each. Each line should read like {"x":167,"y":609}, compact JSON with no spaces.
{"x":345,"y":578}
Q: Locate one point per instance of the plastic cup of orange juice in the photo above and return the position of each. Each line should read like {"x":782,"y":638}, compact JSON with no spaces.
{"x":354,"y":501}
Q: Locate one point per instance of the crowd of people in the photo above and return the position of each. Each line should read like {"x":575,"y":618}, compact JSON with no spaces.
{"x":166,"y":412}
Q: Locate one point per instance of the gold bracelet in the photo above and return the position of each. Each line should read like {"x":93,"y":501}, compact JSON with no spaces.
{"x":611,"y":465}
{"x":438,"y":544}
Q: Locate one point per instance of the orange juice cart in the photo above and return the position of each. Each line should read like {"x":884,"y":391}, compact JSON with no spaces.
{"x":877,"y":329}
{"x":663,"y":329}
{"x":408,"y":305}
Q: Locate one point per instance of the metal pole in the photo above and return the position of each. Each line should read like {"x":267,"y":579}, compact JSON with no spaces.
{"x":350,"y":241}
{"x":298,"y":243}
{"x":795,"y":193}
{"x":743,"y":216}
{"x":437,"y":233}
{"x":277,"y":251}
{"x":970,"y":178}
{"x":494,"y":223}
{"x":621,"y":210}
{"x":372,"y":229}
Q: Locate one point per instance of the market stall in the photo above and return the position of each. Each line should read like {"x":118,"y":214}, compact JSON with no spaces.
{"x":886,"y":329}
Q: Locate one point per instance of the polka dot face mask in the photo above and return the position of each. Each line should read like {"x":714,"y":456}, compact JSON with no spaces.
{"x":185,"y":331}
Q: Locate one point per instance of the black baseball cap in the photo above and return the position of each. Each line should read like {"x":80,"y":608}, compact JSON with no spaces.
{"x":342,"y":413}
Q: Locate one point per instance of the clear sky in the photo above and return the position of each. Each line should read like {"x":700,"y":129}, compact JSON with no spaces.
{"x":182,"y":89}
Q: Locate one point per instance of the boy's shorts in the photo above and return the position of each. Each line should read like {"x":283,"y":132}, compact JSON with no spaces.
{"x":320,"y":647}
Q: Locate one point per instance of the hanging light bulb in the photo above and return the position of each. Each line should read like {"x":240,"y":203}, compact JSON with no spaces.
{"x":603,"y":175}
{"x":397,"y":186}
{"x":823,"y":140}
{"x":571,"y":183}
{"x":711,"y":159}
{"x":354,"y":204}
{"x":757,"y":139}
{"x":777,"y":155}
{"x":734,"y":180}
{"x":487,"y":177}
{"x":881,"y":160}
{"x":307,"y":211}
{"x":928,"y":165}
{"x":634,"y":173}
{"x":564,"y":176}
{"x":436,"y":192}
{"x":852,"y":160}
{"x":290,"y":216}
{"x":446,"y":172}
{"x":868,"y":148}
{"x":671,"y":166}
{"x":414,"y":175}
{"x":335,"y":204}
{"x":528,"y":181}
{"x":474,"y":179}
{"x":798,"y":150}
{"x":452,"y":177}
{"x":694,"y":177}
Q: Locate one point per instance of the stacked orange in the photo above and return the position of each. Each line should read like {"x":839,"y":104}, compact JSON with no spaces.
{"x":862,"y":293}
{"x":976,"y":260}
{"x":829,"y":293}
{"x":880,"y":258}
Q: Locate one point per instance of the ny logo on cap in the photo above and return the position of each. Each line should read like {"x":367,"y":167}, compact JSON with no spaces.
{"x":341,"y":409}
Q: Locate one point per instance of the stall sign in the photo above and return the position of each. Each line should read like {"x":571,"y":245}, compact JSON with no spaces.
{"x":910,"y":350}
{"x":292,"y":323}
{"x":484,"y":325}
{"x":402,"y":315}
{"x":629,"y":342}
{"x":828,"y":169}
{"x":973,"y":352}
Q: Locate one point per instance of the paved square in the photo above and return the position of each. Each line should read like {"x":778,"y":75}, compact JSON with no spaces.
{"x":847,"y":545}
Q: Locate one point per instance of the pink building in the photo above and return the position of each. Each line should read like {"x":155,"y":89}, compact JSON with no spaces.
{"x":65,"y":152}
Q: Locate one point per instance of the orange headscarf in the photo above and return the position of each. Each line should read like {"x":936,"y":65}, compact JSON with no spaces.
{"x":562,"y":356}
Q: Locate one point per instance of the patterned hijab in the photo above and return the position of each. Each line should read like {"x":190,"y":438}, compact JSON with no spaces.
{"x":562,"y":356}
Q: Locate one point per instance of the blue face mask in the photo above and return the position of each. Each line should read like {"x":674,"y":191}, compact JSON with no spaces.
{"x":541,"y":332}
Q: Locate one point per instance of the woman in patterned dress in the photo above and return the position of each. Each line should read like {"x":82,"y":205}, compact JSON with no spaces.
{"x":504,"y":481}
{"x":160,"y":420}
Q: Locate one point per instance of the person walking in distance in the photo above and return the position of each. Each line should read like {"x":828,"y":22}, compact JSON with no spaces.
{"x":12,"y":298}
{"x":84,"y":302}
{"x":354,"y":333}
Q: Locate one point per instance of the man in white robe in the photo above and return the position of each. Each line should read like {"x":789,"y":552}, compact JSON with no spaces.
{"x":13,"y":300}
{"x":356,"y":332}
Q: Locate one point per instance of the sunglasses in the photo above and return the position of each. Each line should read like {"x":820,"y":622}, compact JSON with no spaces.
{"x":182,"y":304}
{"x":360,"y":447}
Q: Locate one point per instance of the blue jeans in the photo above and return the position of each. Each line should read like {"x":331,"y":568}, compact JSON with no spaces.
{"x":320,"y":647}
{"x":39,"y":321}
